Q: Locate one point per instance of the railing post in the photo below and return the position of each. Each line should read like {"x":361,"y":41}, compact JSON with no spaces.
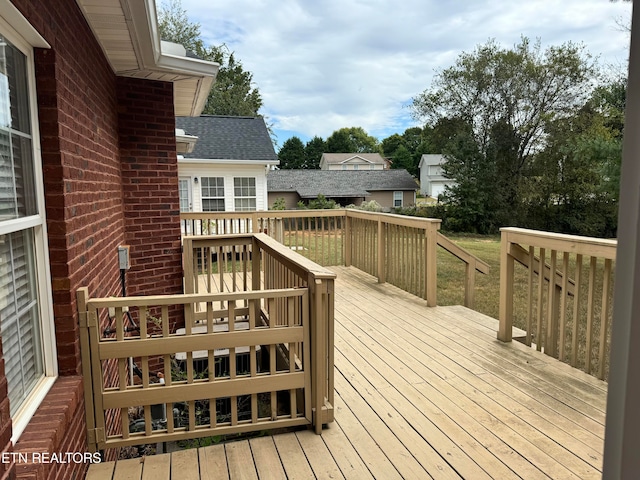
{"x":347,"y":240}
{"x":505,"y":330}
{"x":82,"y":296}
{"x":330,"y":346}
{"x":470,"y":283}
{"x":187,"y":265}
{"x":318,"y":374}
{"x":382,"y":274}
{"x":431,"y":266}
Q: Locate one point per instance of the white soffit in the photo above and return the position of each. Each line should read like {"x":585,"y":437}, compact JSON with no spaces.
{"x":127,"y":31}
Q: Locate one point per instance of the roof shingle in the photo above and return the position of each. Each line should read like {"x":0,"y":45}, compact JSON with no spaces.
{"x":338,"y":183}
{"x":223,"y":137}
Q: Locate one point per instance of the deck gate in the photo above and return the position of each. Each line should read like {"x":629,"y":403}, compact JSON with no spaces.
{"x":238,"y":365}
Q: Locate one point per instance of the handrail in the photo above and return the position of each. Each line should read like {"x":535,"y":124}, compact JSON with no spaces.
{"x":462,"y":254}
{"x":567,"y":298}
{"x":397,"y":249}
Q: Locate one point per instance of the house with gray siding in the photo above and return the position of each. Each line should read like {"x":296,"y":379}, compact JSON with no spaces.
{"x":432,"y":179}
{"x":390,"y":188}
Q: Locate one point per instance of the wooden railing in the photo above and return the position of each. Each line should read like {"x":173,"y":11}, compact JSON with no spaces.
{"x":255,"y":350}
{"x":564,"y":287}
{"x":396,"y":249}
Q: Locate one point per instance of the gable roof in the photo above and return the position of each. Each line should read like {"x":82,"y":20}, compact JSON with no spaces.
{"x":222,"y":137}
{"x":338,"y":183}
{"x":338,"y":158}
{"x":431,"y":159}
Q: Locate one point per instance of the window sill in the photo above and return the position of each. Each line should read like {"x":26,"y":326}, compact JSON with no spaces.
{"x":24,"y":414}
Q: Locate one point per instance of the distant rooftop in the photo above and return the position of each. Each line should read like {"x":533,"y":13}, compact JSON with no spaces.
{"x":338,"y":183}
{"x":337,"y":158}
{"x":222,"y":137}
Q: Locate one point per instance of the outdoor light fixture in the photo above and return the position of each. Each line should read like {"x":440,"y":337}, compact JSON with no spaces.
{"x":195,"y":180}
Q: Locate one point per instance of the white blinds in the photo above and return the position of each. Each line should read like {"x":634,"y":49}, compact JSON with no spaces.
{"x":19,"y":309}
{"x":19,"y":326}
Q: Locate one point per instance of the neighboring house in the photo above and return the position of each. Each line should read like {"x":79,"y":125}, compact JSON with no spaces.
{"x":352,"y":161}
{"x":226,"y":169}
{"x":88,"y":98}
{"x":432,"y":180}
{"x":390,"y":188}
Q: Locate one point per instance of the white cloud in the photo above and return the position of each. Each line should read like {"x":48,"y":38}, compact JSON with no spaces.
{"x":327,"y":64}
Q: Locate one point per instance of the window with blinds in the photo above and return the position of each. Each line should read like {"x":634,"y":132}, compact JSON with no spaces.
{"x":20,"y":224}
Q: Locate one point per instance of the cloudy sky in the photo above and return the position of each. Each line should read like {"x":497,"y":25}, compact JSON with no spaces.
{"x":321,"y":65}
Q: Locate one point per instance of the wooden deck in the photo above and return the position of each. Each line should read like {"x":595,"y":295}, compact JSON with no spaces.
{"x":420,"y":393}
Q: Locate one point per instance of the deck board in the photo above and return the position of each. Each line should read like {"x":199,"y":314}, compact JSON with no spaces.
{"x":420,"y":393}
{"x":213,"y":463}
{"x":266,"y":458}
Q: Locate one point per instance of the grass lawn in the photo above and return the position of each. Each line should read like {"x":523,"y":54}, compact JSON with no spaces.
{"x":451,"y":273}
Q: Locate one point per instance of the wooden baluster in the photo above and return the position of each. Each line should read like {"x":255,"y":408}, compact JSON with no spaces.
{"x":604,"y":319}
{"x":590,"y":313}
{"x":576,"y":311}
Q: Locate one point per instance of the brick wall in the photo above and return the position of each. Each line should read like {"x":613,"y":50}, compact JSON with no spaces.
{"x":110,"y":178}
{"x":150,"y":186}
{"x":57,"y":427}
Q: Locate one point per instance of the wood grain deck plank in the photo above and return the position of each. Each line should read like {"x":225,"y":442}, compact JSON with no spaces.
{"x":397,"y":453}
{"x":491,"y":434}
{"x":442,"y":324}
{"x":457,"y":450}
{"x":292,"y":456}
{"x":213,"y":463}
{"x":320,"y":459}
{"x":266,"y":458}
{"x":587,"y":454}
{"x":368,"y":449}
{"x":343,"y":452}
{"x":129,"y":469}
{"x":240,"y":461}
{"x":488,"y":385}
{"x":156,"y":467}
{"x":184,"y":464}
{"x":101,"y":471}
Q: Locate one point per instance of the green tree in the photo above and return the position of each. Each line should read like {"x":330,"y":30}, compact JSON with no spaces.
{"x":470,"y":200}
{"x":313,"y":151}
{"x":503,"y":100}
{"x":390,"y":144}
{"x":402,"y":158}
{"x":292,"y":154}
{"x":352,"y":140}
{"x":524,"y":87}
{"x":573,"y":183}
{"x":234,"y":92}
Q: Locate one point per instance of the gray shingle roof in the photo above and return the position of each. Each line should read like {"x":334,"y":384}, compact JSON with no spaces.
{"x":229,"y":138}
{"x":338,"y":183}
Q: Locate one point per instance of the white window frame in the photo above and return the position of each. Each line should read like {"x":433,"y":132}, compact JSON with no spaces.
{"x":220,"y":197}
{"x":396,"y":194}
{"x":245,"y":197}
{"x":189,"y":193}
{"x":17,"y":30}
